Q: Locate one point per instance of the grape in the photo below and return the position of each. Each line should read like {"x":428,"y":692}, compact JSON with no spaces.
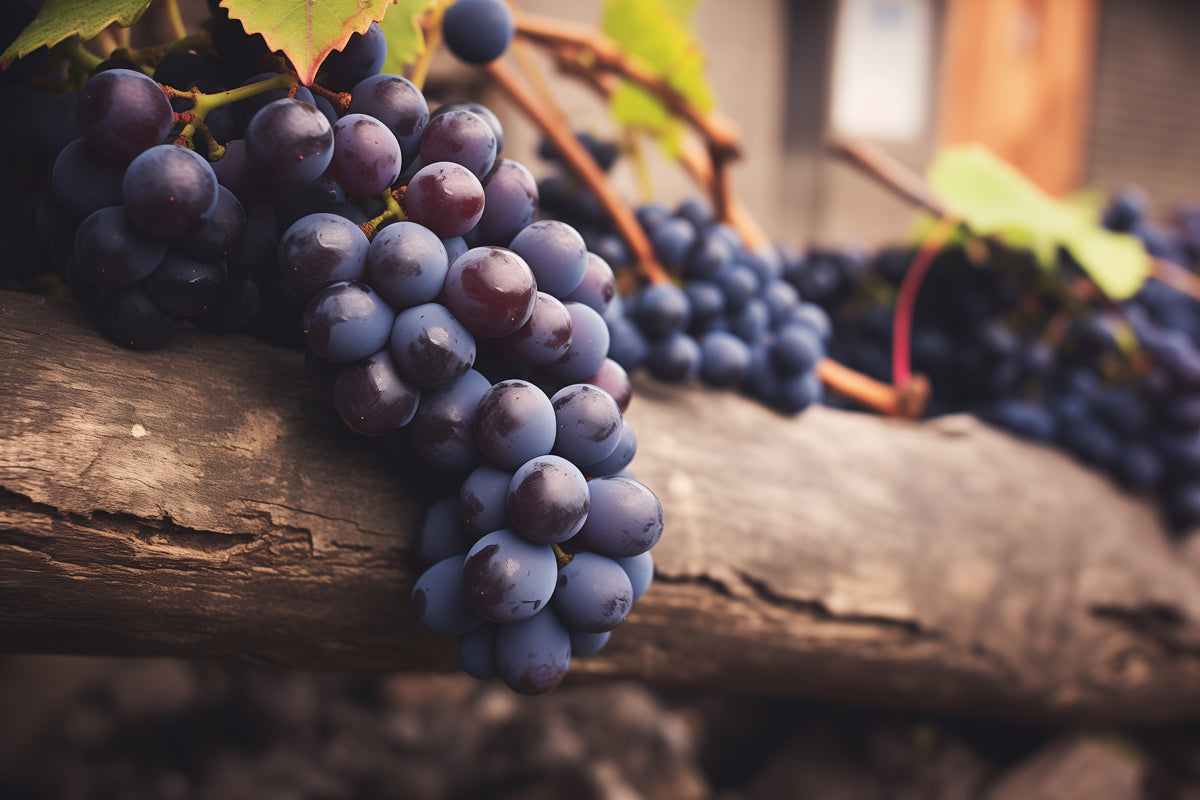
{"x":122,"y":112}
{"x":85,"y":181}
{"x":612,"y":378}
{"x":548,"y":499}
{"x":478,"y":31}
{"x":619,"y":458}
{"x":739,"y":283}
{"x":110,"y":251}
{"x":555,"y":252}
{"x":640,"y":569}
{"x":477,"y":651}
{"x":455,"y":247}
{"x":169,"y":190}
{"x":431,"y":347}
{"x":589,"y":346}
{"x":589,"y":423}
{"x":184,"y":286}
{"x":460,"y":136}
{"x":347,"y":321}
{"x":320,"y":249}
{"x":586,"y":644}
{"x":289,"y":143}
{"x":366,"y":156}
{"x":441,"y":432}
{"x":444,"y":197}
{"x":598,"y":286}
{"x":724,"y":360}
{"x":129,"y":317}
{"x":510,"y":201}
{"x":407,"y":264}
{"x":233,"y":309}
{"x":672,"y":240}
{"x":675,"y":359}
{"x":753,"y":322}
{"x":707,"y":304}
{"x":482,"y":111}
{"x":373,"y":398}
{"x":507,"y":578}
{"x":514,"y":423}
{"x":362,"y":56}
{"x":661,"y":310}
{"x":398,"y":104}
{"x":440,"y":533}
{"x":483,"y":500}
{"x":491,"y":290}
{"x":438,"y":602}
{"x":533,"y":655}
{"x":214,"y":238}
{"x":544,"y":338}
{"x":624,"y":518}
{"x":594,"y":593}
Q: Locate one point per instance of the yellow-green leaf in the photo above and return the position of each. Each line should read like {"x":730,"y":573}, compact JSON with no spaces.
{"x":306,"y":30}
{"x":994,"y":198}
{"x":405,"y":40}
{"x":658,"y":33}
{"x":60,"y":19}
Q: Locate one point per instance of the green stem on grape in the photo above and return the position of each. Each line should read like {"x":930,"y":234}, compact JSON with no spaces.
{"x":906,"y":298}
{"x":82,"y":58}
{"x":203,"y":103}
{"x":555,"y":128}
{"x":393,"y":212}
{"x":561,"y":556}
{"x":339,"y":100}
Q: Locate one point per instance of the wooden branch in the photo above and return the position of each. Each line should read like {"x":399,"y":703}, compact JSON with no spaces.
{"x":199,"y":501}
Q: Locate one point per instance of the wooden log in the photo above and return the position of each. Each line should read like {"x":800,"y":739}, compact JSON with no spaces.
{"x":200,"y":501}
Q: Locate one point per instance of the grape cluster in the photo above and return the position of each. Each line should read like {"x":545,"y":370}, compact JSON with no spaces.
{"x":729,"y":317}
{"x":438,"y":315}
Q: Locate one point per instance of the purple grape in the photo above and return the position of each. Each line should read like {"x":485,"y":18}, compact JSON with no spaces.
{"x":121,"y":113}
{"x":589,"y":423}
{"x":598,"y":286}
{"x":483,"y":500}
{"x":477,"y":651}
{"x":612,"y":378}
{"x":184,"y":286}
{"x":545,"y":338}
{"x":594,"y":593}
{"x":373,"y":398}
{"x":440,"y":533}
{"x":431,"y":347}
{"x":169,"y":190}
{"x":289,"y":143}
{"x":533,"y":655}
{"x":442,"y":431}
{"x":361,"y":57}
{"x":129,"y":317}
{"x":507,"y":578}
{"x":84,"y":181}
{"x":619,"y":458}
{"x":366,"y":155}
{"x":438,"y":602}
{"x":624,"y":519}
{"x":589,"y":346}
{"x":479,"y":109}
{"x":555,"y":252}
{"x":478,"y":31}
{"x":548,"y":499}
{"x":586,"y":644}
{"x":491,"y":290}
{"x":407,"y":264}
{"x":320,"y":249}
{"x":514,"y":422}
{"x":347,"y":321}
{"x":398,"y":104}
{"x":444,"y":197}
{"x":460,"y":136}
{"x":640,"y":569}
{"x":214,"y":238}
{"x":510,"y":202}
{"x":110,"y":251}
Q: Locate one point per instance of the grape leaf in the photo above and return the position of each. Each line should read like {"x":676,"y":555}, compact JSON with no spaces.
{"x":405,"y":40}
{"x":994,"y":198}
{"x":657,"y":32}
{"x":306,"y":30}
{"x":59,"y":19}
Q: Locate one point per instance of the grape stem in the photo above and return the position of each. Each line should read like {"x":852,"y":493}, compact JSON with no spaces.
{"x":907,"y":402}
{"x":906,"y":298}
{"x":393,"y":212}
{"x":555,"y":128}
{"x":202,"y":104}
{"x":905,"y":182}
{"x":561,"y":556}
{"x":431,"y":29}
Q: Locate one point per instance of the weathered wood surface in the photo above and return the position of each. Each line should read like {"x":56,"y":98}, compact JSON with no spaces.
{"x":199,"y":501}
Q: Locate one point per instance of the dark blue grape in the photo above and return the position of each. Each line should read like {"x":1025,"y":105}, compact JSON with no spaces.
{"x":507,"y":578}
{"x":110,"y":251}
{"x":514,"y":422}
{"x":588,"y":349}
{"x":184,"y":286}
{"x":675,"y":359}
{"x":129,"y":317}
{"x":121,"y":113}
{"x":431,"y":347}
{"x":624,"y":519}
{"x":556,"y":253}
{"x":598,"y":286}
{"x":483,"y":500}
{"x":214,"y":238}
{"x":548,"y":499}
{"x":169,"y":190}
{"x":478,"y":31}
{"x":289,"y":143}
{"x":724,"y":360}
{"x":442,"y":431}
{"x":661,"y":310}
{"x":477,"y":651}
{"x":594,"y":593}
{"x":445,"y":197}
{"x":533,"y":655}
{"x":544,"y":338}
{"x":460,"y":136}
{"x":366,"y":156}
{"x":479,"y":109}
{"x":347,"y":321}
{"x":588,"y":421}
{"x":373,"y":398}
{"x":407,"y":264}
{"x":360,"y":58}
{"x":491,"y":290}
{"x":640,"y":569}
{"x":396,"y":102}
{"x":320,"y":249}
{"x":85,"y":181}
{"x":510,"y":201}
{"x":438,"y":602}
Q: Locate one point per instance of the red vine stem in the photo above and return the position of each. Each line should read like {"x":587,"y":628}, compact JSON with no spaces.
{"x":906,"y":298}
{"x":560,"y":135}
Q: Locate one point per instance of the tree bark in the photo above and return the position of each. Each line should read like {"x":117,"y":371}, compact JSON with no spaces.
{"x":201,"y":501}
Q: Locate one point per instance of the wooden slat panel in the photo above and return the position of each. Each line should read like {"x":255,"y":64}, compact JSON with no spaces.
{"x":1017,"y":77}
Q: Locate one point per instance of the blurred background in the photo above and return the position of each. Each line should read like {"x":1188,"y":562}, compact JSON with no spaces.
{"x":1078,"y":94}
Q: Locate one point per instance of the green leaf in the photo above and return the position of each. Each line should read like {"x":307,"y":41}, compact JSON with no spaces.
{"x":405,"y":40}
{"x":658,"y":33}
{"x":60,"y":19}
{"x":306,"y":30}
{"x":993,"y":198}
